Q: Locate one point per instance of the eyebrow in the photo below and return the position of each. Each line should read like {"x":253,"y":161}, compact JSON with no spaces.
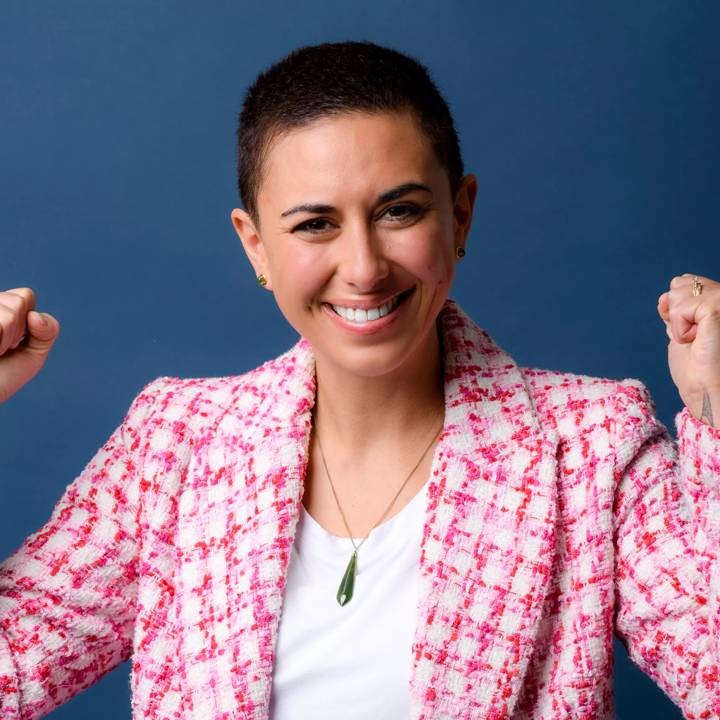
{"x":392,"y":194}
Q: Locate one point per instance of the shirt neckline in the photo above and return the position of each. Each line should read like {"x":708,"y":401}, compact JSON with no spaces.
{"x":378,"y":532}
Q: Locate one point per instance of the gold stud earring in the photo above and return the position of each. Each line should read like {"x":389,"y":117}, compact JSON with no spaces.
{"x":459,"y":252}
{"x":262,"y":280}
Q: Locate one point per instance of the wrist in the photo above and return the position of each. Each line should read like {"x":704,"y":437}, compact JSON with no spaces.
{"x":707,"y":408}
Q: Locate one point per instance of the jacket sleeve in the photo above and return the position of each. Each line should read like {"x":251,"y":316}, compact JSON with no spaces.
{"x":667,"y":538}
{"x":68,"y":593}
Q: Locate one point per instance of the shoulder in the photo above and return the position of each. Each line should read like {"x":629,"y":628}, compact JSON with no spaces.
{"x":202,"y":401}
{"x":574,"y":403}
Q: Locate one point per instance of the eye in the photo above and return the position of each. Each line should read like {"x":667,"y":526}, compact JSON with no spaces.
{"x":396,"y":213}
{"x":311,"y":226}
{"x":407,"y":211}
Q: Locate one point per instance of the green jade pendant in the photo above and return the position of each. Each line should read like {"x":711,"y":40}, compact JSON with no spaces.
{"x":347,"y":584}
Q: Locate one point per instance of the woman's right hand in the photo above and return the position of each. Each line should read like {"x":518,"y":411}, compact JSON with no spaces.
{"x":26,"y":337}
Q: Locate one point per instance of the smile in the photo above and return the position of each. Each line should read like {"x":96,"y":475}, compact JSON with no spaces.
{"x":362,"y":316}
{"x":369,"y":319}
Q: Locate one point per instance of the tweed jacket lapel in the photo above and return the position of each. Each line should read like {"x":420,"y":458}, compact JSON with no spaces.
{"x":487,"y":547}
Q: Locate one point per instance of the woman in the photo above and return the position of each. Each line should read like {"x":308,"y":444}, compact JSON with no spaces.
{"x":392,"y":518}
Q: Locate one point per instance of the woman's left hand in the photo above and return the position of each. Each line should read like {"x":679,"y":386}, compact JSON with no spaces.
{"x":693,"y":326}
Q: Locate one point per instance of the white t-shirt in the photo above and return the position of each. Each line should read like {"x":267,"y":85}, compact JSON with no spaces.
{"x":353,"y":661}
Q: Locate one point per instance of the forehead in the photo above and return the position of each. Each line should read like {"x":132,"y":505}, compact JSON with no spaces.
{"x":354,"y":153}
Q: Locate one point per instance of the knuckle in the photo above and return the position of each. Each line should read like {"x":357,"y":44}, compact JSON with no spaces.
{"x":7,"y":315}
{"x":25,"y":296}
{"x":16,"y":302}
{"x":678,"y":281}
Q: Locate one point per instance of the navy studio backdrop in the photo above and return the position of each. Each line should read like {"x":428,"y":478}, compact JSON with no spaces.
{"x":592,"y":129}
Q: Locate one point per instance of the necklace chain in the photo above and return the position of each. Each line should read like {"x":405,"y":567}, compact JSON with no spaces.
{"x":327,"y":472}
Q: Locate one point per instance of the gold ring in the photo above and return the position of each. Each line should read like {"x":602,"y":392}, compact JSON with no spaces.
{"x":696,"y":286}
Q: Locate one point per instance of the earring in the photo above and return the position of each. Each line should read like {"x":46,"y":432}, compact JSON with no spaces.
{"x":459,"y":252}
{"x":262,"y":280}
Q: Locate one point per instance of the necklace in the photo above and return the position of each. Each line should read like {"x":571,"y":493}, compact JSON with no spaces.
{"x":347,"y":584}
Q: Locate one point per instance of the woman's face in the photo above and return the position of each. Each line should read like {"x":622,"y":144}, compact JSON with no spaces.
{"x":355,"y":211}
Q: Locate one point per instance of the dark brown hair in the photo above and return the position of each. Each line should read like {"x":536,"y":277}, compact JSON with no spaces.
{"x":318,"y":81}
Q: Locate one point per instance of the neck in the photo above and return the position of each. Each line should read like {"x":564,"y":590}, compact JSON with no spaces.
{"x":359,"y":415}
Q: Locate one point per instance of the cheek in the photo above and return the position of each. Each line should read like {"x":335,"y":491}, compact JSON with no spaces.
{"x":291,"y":261}
{"x":299,"y":279}
{"x":435,"y":258}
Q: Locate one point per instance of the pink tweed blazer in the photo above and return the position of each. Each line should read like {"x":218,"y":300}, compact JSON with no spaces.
{"x":560,"y":511}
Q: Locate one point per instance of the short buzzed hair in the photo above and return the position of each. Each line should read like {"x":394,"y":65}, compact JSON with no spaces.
{"x":319,"y":81}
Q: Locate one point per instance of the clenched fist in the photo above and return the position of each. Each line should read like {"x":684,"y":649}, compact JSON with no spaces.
{"x":26,"y":337}
{"x":691,"y":312}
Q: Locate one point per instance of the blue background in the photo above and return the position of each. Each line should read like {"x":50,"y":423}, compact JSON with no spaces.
{"x":592,"y":129}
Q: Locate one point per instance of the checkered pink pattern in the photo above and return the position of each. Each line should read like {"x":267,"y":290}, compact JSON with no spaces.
{"x":559,"y":511}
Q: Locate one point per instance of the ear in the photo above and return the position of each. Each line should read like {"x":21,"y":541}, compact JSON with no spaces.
{"x":463,"y":208}
{"x":252,"y":243}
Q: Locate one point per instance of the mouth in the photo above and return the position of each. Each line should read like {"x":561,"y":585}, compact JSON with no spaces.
{"x":396,"y":301}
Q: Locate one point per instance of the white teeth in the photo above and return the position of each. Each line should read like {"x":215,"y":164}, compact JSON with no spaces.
{"x":362,"y":316}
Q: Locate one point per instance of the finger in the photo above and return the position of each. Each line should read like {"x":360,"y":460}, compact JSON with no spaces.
{"x":17,"y":303}
{"x":686,"y":280}
{"x":12,"y":327}
{"x":663,"y":306}
{"x":682,"y":319}
{"x":669,"y":331}
{"x":43,"y":330}
{"x":681,"y":329}
{"x":689,"y":337}
{"x":682,"y":306}
{"x":27,"y":295}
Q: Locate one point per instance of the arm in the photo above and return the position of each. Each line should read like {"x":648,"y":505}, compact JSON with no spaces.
{"x":667,"y":539}
{"x":68,"y":594}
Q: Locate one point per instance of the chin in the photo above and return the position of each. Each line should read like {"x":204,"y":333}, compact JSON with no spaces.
{"x":369,"y":362}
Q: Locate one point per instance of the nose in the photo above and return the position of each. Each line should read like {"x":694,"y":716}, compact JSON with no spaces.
{"x":363,"y":264}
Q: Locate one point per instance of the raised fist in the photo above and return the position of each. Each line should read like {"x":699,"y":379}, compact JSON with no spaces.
{"x":26,"y":337}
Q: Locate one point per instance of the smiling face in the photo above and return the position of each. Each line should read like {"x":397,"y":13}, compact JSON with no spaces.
{"x":355,"y":211}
